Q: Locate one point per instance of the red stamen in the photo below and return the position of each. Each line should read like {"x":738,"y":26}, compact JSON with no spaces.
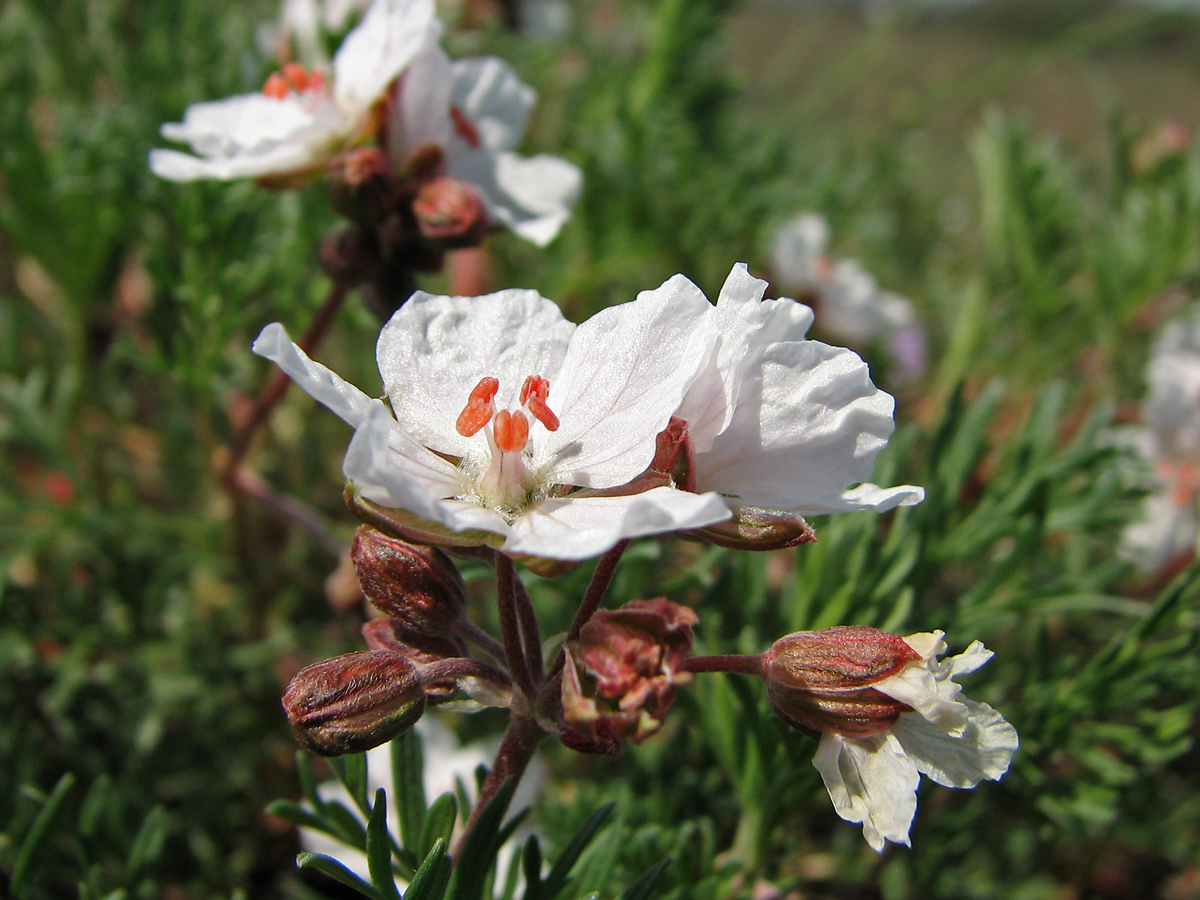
{"x":510,"y":431}
{"x":534,"y":392}
{"x":465,"y":128}
{"x":276,"y":87}
{"x":296,"y":76}
{"x":478,"y":411}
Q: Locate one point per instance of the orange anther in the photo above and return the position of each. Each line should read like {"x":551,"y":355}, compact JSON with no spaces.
{"x":465,"y":128}
{"x":316,"y":80}
{"x":296,"y":75}
{"x":511,"y":431}
{"x":478,"y":411}
{"x":276,"y":87}
{"x":534,"y":392}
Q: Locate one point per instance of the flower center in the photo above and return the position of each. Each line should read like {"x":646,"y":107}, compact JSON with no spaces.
{"x":506,"y":484}
{"x":293,"y":77}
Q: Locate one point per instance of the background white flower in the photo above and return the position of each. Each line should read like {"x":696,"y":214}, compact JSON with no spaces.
{"x":954,"y":741}
{"x":306,"y":120}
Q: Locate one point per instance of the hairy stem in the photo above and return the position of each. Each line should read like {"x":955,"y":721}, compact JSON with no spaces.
{"x":510,"y":627}
{"x":531,"y":633}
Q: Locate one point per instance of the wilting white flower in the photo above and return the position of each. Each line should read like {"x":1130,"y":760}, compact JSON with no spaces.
{"x":447,"y":765}
{"x":1170,"y":441}
{"x":475,"y":110}
{"x":778,"y":422}
{"x":850,"y":304}
{"x":511,"y":423}
{"x":951,"y":740}
{"x":301,"y":119}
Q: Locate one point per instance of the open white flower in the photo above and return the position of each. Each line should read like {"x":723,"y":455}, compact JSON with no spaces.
{"x":777,"y":422}
{"x":301,"y":119}
{"x":954,"y":741}
{"x":510,"y":422}
{"x":1170,"y":442}
{"x":475,"y":110}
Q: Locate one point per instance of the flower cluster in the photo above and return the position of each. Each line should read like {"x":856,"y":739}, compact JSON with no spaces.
{"x":850,"y":304}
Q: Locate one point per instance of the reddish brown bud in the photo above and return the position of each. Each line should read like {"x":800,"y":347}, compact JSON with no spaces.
{"x":752,"y":528}
{"x":450,"y":212}
{"x":352,"y":703}
{"x":419,"y":649}
{"x":362,"y":187}
{"x":416,"y":585}
{"x":623,"y":672}
{"x":673,"y":457}
{"x":822,"y":680}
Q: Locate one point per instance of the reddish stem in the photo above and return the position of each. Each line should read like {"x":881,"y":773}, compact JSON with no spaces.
{"x":510,"y":628}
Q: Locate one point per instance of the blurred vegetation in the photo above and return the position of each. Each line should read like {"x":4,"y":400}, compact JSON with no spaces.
{"x":1004,"y":165}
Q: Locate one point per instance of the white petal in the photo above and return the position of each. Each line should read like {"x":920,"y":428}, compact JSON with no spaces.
{"x":530,"y":195}
{"x":874,"y":497}
{"x":974,"y":657}
{"x":580,"y":528}
{"x":626,"y":372}
{"x":322,"y":384}
{"x":389,"y":468}
{"x":424,"y":101}
{"x":435,"y":349}
{"x":870,"y":780}
{"x":808,"y":424}
{"x":784,"y":320}
{"x":983,"y":751}
{"x":927,"y":644}
{"x":799,"y":244}
{"x":916,"y":685}
{"x":489,"y":93}
{"x":377,"y":50}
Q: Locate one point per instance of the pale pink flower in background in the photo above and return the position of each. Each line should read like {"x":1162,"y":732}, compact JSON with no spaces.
{"x":302,"y":118}
{"x":782,"y":423}
{"x":949,"y":739}
{"x":475,"y":110}
{"x":1170,"y":442}
{"x":507,"y":420}
{"x":850,"y":304}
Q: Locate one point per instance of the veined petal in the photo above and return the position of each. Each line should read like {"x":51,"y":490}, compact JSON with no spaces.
{"x":377,"y":50}
{"x":530,"y":195}
{"x":494,"y":99}
{"x":320,"y":383}
{"x":389,"y":468}
{"x":625,"y":374}
{"x":984,"y":750}
{"x":579,"y":528}
{"x":434,"y":351}
{"x":872,"y":781}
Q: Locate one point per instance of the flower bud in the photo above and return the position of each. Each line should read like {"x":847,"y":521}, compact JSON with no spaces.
{"x":418,"y":586}
{"x":362,"y":187}
{"x":821,"y":681}
{"x":752,"y":528}
{"x":352,"y":703}
{"x":623,"y":672}
{"x":450,"y":212}
{"x":419,"y":649}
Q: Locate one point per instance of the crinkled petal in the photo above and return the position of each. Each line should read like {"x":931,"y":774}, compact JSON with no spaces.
{"x":435,"y":349}
{"x":319,"y":382}
{"x":983,"y":751}
{"x":916,"y":685}
{"x":377,"y":50}
{"x":872,"y":781}
{"x":808,"y":424}
{"x":389,"y":468}
{"x":625,"y":374}
{"x":491,"y":96}
{"x":784,"y":320}
{"x":580,"y":528}
{"x":976,"y":656}
{"x":530,"y":195}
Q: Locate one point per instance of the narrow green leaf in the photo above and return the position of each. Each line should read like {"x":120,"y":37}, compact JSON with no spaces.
{"x":32,"y":846}
{"x":298,"y":815}
{"x":335,"y":870}
{"x":308,"y":782}
{"x":561,"y":870}
{"x":351,"y":771}
{"x":94,"y":806}
{"x":644,"y":886}
{"x":148,"y":843}
{"x":430,"y":880}
{"x":349,"y":828}
{"x":439,"y":823}
{"x":479,"y":849}
{"x":408,"y":786}
{"x":532,"y":858}
{"x":379,"y":848}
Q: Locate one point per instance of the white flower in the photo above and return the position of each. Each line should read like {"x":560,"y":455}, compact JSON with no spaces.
{"x":1170,"y":441}
{"x":304,"y":24}
{"x":954,"y":741}
{"x":447,"y":764}
{"x":299,"y":121}
{"x":501,"y":410}
{"x":779,"y":422}
{"x":476,"y":109}
{"x":798,"y":256}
